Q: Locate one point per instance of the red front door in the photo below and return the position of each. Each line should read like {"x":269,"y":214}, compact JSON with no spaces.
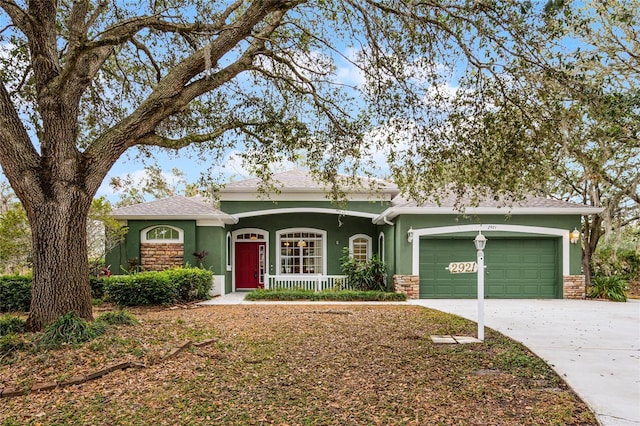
{"x":249,"y":265}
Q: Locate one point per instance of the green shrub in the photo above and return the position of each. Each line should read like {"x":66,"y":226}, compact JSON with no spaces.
{"x":159,"y":288}
{"x":192,"y":283}
{"x":120,"y":317}
{"x":364,"y":275}
{"x":97,"y":287}
{"x":10,"y":324}
{"x":15,"y":293}
{"x":610,"y":261}
{"x":143,"y":289}
{"x":344,"y":295}
{"x":613,"y":288}
{"x":69,"y":328}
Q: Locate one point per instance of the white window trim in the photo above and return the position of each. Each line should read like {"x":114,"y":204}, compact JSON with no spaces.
{"x":228,"y":249}
{"x":291,"y":230}
{"x":144,"y":239}
{"x":265,"y":235}
{"x":381,"y":251}
{"x":355,"y":237}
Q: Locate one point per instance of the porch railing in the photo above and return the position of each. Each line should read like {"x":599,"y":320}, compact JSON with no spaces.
{"x":308,"y":282}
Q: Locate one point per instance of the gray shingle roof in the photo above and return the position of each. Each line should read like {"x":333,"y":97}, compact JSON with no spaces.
{"x":301,"y":180}
{"x":451,"y":200}
{"x":172,"y":207}
{"x":449,"y":203}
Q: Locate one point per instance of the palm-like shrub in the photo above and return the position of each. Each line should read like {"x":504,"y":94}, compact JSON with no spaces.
{"x":608,"y":287}
{"x":370,"y":275}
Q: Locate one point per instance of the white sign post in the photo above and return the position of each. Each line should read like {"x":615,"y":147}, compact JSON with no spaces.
{"x":480,"y":241}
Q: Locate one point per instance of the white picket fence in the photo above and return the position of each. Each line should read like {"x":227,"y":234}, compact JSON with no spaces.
{"x":308,"y":282}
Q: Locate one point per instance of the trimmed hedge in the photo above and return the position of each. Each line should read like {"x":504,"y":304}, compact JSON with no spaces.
{"x":145,"y":288}
{"x":342,"y":296}
{"x":192,"y":283}
{"x":15,"y":293}
{"x":159,"y":288}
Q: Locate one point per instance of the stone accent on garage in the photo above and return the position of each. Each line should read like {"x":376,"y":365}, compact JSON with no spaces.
{"x":573,"y":287}
{"x":161,"y":256}
{"x":407,"y":284}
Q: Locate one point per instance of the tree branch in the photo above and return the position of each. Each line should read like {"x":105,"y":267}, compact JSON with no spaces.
{"x":174,"y":91}
{"x":19,"y":159}
{"x":19,"y":17}
{"x":141,"y":46}
{"x":153,"y":139}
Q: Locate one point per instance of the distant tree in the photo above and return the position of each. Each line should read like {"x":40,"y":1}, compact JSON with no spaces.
{"x":15,"y":238}
{"x":600,"y":166}
{"x":596,"y":118}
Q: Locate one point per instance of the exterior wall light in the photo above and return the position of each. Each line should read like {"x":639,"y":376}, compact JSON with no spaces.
{"x":574,"y":236}
{"x":410,"y":234}
{"x":480,"y":241}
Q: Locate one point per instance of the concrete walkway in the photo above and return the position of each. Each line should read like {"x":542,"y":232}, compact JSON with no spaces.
{"x":593,"y":345}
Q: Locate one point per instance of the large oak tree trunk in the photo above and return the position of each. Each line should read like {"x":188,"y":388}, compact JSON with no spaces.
{"x":60,"y":267}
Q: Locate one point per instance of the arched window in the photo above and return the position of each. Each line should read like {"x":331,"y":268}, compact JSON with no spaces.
{"x":360,"y":247}
{"x":162,"y":234}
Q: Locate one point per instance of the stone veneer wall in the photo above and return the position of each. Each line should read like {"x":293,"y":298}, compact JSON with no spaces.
{"x":407,"y":284}
{"x":573,"y":287}
{"x":161,"y":256}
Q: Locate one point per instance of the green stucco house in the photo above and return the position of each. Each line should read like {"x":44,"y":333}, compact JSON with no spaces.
{"x":295,"y":237}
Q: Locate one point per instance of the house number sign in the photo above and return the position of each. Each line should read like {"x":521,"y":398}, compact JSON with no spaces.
{"x":462,"y":267}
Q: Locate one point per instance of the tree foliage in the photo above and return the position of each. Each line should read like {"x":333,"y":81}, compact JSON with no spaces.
{"x":134,"y":189}
{"x":86,"y":81}
{"x":596,"y":119}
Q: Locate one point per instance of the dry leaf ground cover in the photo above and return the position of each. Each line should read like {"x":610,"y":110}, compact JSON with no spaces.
{"x":294,"y":365}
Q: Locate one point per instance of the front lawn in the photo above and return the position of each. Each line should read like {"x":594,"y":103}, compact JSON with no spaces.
{"x":294,"y":365}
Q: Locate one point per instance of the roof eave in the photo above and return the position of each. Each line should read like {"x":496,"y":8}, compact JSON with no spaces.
{"x":224,"y":218}
{"x":393,"y":212}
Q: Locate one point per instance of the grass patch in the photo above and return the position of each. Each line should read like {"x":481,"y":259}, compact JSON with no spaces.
{"x":341,"y":296}
{"x":120,"y":317}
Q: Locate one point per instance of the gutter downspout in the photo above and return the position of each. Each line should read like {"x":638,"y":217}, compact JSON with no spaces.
{"x":385,"y":220}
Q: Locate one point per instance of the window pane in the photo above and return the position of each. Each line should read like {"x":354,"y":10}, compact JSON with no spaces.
{"x":163,"y":233}
{"x":360,"y":249}
{"x":301,"y":253}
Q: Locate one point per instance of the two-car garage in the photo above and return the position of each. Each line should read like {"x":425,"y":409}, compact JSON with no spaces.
{"x":515,"y":267}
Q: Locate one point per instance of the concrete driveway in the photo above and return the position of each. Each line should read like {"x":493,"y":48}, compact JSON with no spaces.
{"x":593,"y":345}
